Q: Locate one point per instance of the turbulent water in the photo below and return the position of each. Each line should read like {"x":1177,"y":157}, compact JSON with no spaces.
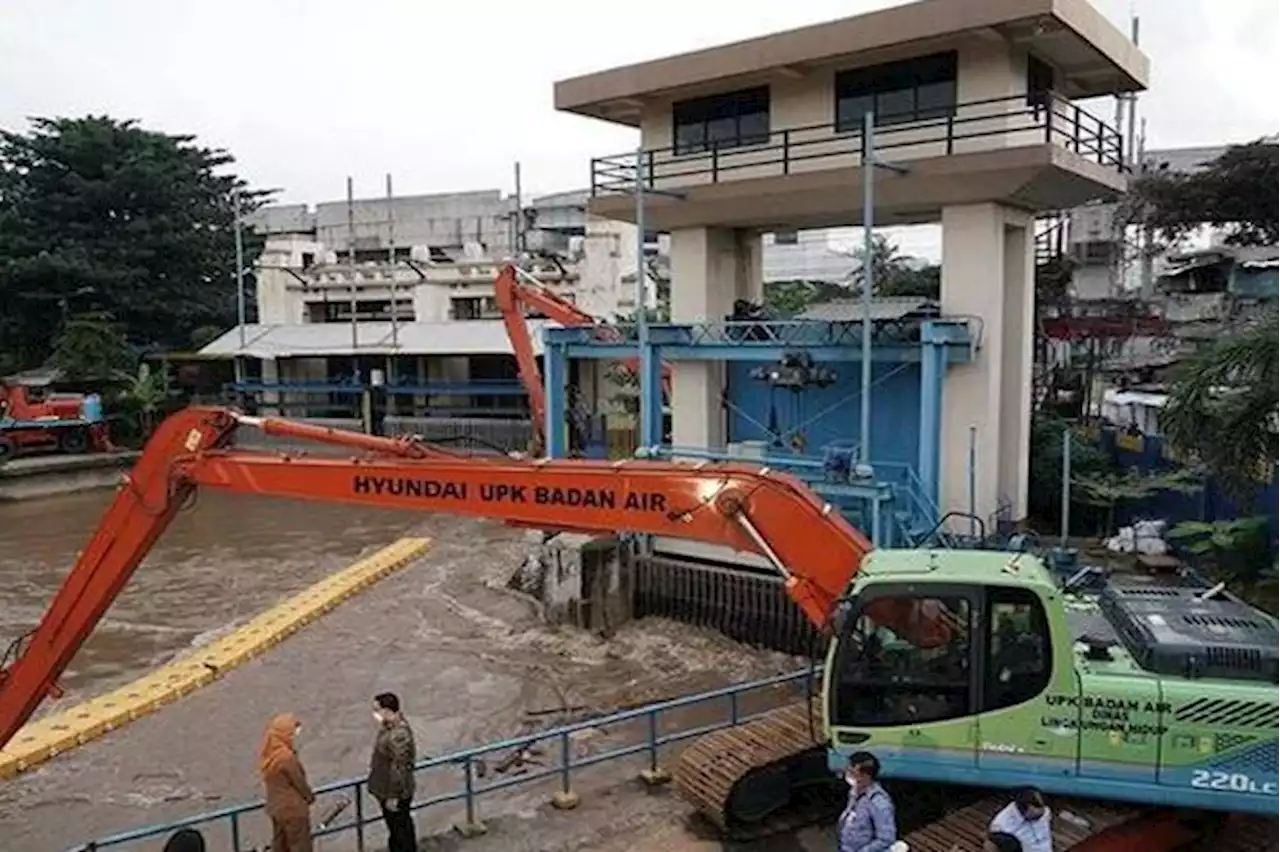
{"x":468,"y":657}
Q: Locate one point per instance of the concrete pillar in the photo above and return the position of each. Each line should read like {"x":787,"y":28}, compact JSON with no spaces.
{"x":988,"y":274}
{"x":710,"y":269}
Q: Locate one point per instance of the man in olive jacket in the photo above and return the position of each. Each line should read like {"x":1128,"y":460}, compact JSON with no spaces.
{"x":391,"y":772}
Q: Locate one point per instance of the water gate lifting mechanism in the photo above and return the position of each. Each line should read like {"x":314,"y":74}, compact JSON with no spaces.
{"x":795,"y":371}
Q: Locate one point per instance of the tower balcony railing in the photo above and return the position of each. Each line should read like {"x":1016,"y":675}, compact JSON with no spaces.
{"x":972,"y":127}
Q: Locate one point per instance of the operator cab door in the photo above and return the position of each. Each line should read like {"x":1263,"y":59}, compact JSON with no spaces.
{"x":1020,"y":736}
{"x":912,"y":703}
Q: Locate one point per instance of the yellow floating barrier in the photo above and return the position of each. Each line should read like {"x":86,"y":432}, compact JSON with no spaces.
{"x":45,"y":739}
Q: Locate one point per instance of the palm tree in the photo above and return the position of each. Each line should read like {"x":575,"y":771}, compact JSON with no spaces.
{"x":1222,"y":408}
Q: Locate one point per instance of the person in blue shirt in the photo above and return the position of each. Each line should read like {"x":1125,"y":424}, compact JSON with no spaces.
{"x":868,"y":823}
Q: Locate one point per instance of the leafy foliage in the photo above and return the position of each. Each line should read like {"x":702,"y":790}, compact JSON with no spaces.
{"x":897,"y":274}
{"x":1205,"y":537}
{"x":97,"y":213}
{"x":1236,"y":192}
{"x":1235,"y":549}
{"x":143,"y":394}
{"x":91,"y":347}
{"x":1107,"y":490}
{"x":786,"y":299}
{"x":1222,"y":406}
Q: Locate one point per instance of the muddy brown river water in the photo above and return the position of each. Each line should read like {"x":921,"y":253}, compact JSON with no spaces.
{"x":469,"y":658}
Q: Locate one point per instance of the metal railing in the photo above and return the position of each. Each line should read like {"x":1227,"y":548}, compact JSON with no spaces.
{"x":643,"y":731}
{"x":1044,"y":119}
{"x":915,"y":500}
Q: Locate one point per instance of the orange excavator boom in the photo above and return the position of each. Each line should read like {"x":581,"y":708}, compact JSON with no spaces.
{"x":514,"y":295}
{"x":744,"y":507}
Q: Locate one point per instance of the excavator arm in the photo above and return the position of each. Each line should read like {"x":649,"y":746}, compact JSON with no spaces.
{"x":748,"y":508}
{"x":513,"y":296}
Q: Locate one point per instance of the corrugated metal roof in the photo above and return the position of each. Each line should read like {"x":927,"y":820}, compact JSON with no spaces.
{"x":882,"y":308}
{"x":459,"y":337}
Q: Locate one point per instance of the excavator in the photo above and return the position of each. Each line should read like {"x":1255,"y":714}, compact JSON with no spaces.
{"x":515,"y":292}
{"x":974,"y":669}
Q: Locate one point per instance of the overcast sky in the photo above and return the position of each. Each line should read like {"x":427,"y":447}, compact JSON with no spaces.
{"x":446,"y":96}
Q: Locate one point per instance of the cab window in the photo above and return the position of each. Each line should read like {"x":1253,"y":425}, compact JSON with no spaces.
{"x":885,"y":678}
{"x":1019,"y":663}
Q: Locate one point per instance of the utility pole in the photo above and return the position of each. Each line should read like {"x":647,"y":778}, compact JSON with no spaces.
{"x":391,"y":261}
{"x":519,"y":242}
{"x":870,"y":162}
{"x":647,"y":415}
{"x":1127,"y":131}
{"x":351,"y":272}
{"x":240,"y":306}
{"x":1132,"y":127}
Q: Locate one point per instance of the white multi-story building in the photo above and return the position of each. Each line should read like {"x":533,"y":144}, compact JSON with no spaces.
{"x":407,"y":287}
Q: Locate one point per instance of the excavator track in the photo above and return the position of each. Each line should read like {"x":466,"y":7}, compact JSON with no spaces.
{"x":764,"y":776}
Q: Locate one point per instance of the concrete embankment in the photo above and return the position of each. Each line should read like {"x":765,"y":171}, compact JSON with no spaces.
{"x":48,"y":476}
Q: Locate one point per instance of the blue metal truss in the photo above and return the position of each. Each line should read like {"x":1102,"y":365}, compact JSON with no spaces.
{"x":897,"y":341}
{"x":899,"y":505}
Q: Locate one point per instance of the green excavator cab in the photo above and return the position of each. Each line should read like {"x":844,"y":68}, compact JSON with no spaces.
{"x":1126,"y":691}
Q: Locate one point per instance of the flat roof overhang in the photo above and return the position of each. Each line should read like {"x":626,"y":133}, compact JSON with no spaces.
{"x":1035,"y":178}
{"x":1094,"y":57}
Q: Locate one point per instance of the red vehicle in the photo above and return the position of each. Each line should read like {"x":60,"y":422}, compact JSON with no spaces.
{"x":33,"y":420}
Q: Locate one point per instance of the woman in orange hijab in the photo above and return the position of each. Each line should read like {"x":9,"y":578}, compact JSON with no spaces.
{"x":289,"y":796}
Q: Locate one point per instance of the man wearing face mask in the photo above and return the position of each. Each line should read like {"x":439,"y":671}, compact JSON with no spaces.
{"x":391,"y":772}
{"x":868,"y":823}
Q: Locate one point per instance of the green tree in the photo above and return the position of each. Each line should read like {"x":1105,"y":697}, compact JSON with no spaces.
{"x":100,"y":214}
{"x":91,"y":347}
{"x":786,"y":299}
{"x":1108,"y":490}
{"x":897,"y":274}
{"x":1236,"y":192}
{"x":1222,"y":408}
